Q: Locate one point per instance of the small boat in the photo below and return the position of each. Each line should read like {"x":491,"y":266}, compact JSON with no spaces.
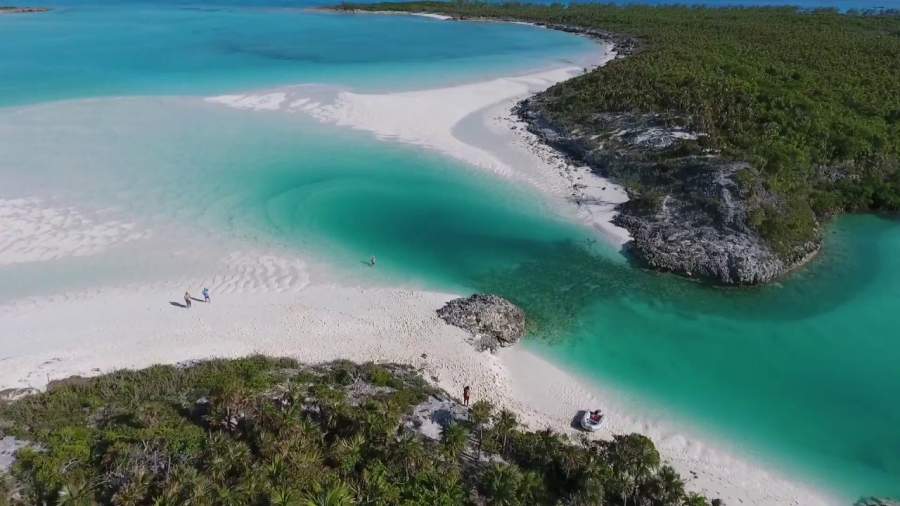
{"x":591,"y":423}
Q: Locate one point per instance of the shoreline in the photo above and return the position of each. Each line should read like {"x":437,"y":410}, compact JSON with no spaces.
{"x":108,"y":328}
{"x":682,"y":235}
{"x":474,"y":123}
{"x":99,"y":331}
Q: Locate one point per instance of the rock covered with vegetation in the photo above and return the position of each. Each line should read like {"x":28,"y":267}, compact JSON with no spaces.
{"x":693,"y":215}
{"x":11,"y":9}
{"x":491,"y":319}
{"x":735,"y":131}
{"x":275,"y":432}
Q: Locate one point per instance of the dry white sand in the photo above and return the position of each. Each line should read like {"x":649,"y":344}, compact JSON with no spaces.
{"x":266,"y":301}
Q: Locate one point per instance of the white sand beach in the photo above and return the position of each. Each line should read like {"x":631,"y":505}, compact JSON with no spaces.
{"x":106,"y":329}
{"x":472,"y":123}
{"x":270,"y":302}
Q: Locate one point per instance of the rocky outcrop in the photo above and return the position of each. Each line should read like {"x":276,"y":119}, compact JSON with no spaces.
{"x":22,"y":10}
{"x":12,"y":394}
{"x":689,"y":213}
{"x":492,"y":320}
{"x":690,"y":209}
{"x":8,"y":448}
{"x":876,"y":501}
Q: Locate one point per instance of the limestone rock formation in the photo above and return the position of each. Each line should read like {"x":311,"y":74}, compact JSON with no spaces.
{"x":492,"y":320}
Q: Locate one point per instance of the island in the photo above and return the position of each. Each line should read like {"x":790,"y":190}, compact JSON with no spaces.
{"x":9,"y":9}
{"x":737,"y":132}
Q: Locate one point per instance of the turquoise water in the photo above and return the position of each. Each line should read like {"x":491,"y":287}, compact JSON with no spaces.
{"x":802,"y":374}
{"x":269,"y":179}
{"x":134,"y":49}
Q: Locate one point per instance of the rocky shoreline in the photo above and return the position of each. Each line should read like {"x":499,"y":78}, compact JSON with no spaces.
{"x":691,"y":209}
{"x":492,"y":321}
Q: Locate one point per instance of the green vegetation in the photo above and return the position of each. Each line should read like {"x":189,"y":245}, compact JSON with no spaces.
{"x":12,"y":9}
{"x":810,"y":98}
{"x":273,"y":432}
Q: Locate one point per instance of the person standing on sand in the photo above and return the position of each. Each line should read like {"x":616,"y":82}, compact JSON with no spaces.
{"x":466,"y":395}
{"x":206,"y":295}
{"x":187,"y":300}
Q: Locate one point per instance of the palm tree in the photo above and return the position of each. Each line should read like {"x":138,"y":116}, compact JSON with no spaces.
{"x":230,"y":409}
{"x":695,"y":499}
{"x":172,"y":493}
{"x":284,"y":496}
{"x":196,"y":486}
{"x":592,"y":489}
{"x":377,"y":486}
{"x":532,"y":488}
{"x":77,"y":491}
{"x":454,"y":438}
{"x":437,"y":488}
{"x":135,"y":491}
{"x":633,"y":459}
{"x":668,"y":487}
{"x":409,"y":454}
{"x":348,"y":452}
{"x":225,"y":495}
{"x":334,"y":494}
{"x":504,"y":426}
{"x":480,"y":415}
{"x":501,"y":485}
{"x":276,"y":470}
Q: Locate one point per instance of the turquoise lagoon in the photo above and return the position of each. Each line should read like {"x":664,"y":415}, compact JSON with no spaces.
{"x":802,"y":374}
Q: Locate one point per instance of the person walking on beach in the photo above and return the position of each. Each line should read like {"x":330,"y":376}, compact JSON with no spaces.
{"x":466,"y":395}
{"x":187,"y":300}
{"x":206,"y":295}
{"x":372,"y":261}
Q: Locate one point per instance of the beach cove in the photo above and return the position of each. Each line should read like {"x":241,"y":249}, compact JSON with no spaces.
{"x":250,"y":189}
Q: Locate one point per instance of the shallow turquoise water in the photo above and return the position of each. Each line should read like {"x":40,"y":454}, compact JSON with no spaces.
{"x":803,"y":374}
{"x":129,"y":49}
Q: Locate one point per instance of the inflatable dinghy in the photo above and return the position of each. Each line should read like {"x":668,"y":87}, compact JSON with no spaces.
{"x":590,"y":424}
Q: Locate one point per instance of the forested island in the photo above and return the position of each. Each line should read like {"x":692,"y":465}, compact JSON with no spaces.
{"x":10,"y":9}
{"x":737,"y":132}
{"x":276,"y":432}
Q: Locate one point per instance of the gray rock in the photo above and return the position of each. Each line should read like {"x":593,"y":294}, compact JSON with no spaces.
{"x":491,"y":319}
{"x":8,"y":448}
{"x":687,"y":214}
{"x":876,"y":501}
{"x":434,"y":415}
{"x":701,"y":230}
{"x":12,"y":394}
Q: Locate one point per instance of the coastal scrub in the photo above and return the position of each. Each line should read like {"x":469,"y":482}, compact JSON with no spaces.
{"x":272,"y":431}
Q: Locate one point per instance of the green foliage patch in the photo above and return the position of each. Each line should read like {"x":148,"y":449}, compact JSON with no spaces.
{"x":263,"y":431}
